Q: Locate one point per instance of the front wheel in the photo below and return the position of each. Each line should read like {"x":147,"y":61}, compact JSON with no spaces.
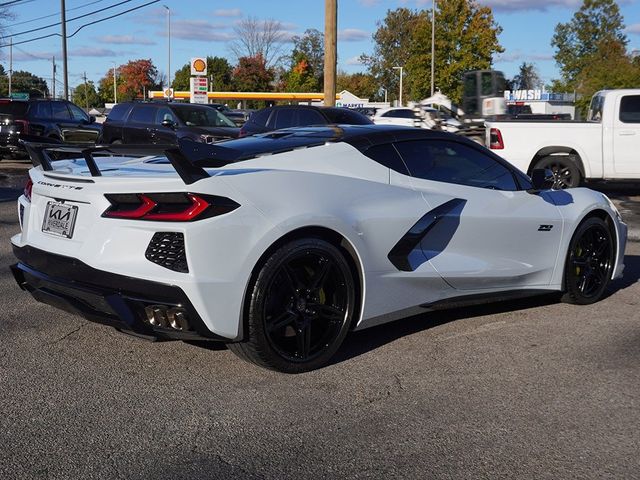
{"x":300,"y":308}
{"x":566,"y":173}
{"x":589,"y":262}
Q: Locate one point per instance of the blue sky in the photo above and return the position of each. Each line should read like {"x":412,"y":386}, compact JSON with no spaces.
{"x":205,"y":27}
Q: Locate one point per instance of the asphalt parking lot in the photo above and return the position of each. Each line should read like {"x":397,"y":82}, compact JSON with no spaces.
{"x":527,"y":389}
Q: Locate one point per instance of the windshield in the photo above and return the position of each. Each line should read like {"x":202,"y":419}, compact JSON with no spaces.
{"x":203,"y":117}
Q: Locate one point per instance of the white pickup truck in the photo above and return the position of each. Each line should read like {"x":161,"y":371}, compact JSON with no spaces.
{"x":604,"y":147}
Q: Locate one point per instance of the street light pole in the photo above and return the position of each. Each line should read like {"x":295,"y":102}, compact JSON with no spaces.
{"x":400,"y":99}
{"x":168,"y":46}
{"x":433,"y":45}
{"x":115,"y":90}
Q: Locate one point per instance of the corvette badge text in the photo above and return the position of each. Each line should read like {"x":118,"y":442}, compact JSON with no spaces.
{"x":545,"y":228}
{"x":57,"y":185}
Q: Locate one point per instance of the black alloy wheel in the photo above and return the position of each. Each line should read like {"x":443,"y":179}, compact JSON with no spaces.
{"x":300,"y":309}
{"x":566,"y":173}
{"x":589,"y":262}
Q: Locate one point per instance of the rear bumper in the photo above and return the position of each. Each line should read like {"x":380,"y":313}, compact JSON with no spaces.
{"x":103,"y":297}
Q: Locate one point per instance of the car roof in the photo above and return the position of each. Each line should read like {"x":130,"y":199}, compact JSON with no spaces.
{"x":361,"y":137}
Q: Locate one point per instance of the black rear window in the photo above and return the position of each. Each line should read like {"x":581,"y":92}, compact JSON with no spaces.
{"x":260,"y":117}
{"x":143,"y":114}
{"x":17,"y":109}
{"x":118,"y":112}
{"x":346,"y":116}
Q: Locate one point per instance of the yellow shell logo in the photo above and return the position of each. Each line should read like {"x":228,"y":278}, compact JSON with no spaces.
{"x":199,"y":65}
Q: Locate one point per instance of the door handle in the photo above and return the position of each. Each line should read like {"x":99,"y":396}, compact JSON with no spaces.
{"x":626,"y":133}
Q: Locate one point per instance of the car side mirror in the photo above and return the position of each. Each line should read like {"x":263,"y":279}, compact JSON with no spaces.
{"x":541,"y":179}
{"x":168,"y":123}
{"x":92,"y":119}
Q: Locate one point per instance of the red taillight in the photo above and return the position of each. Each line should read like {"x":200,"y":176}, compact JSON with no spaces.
{"x":242,"y":133}
{"x":495,"y":139}
{"x":198,"y":206}
{"x":28,"y":188}
{"x":23,"y":126}
{"x":167,"y":207}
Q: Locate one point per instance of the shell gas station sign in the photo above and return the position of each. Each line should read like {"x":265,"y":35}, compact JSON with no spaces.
{"x":199,"y":66}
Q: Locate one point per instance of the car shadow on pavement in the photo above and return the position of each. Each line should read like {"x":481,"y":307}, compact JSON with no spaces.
{"x":359,"y":343}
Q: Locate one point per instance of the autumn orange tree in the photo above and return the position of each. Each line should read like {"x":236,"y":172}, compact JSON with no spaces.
{"x":134,"y":79}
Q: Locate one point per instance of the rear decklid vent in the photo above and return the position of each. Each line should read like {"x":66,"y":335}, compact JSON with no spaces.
{"x":167,"y":250}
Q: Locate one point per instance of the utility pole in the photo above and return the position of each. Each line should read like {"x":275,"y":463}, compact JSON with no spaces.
{"x":65,"y":72}
{"x":330,"y":51}
{"x":10,"y":63}
{"x":53,"y":90}
{"x":433,"y":45}
{"x":168,"y":46}
{"x":86,"y":95}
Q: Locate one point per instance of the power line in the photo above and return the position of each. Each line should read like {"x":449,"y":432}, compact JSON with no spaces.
{"x":6,"y":4}
{"x":56,"y":14}
{"x":82,"y":26}
{"x":70,"y":19}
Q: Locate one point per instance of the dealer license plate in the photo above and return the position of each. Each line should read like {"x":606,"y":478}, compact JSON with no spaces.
{"x":60,"y":219}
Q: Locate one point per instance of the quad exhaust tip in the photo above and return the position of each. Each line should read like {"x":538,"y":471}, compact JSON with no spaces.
{"x":167,"y":317}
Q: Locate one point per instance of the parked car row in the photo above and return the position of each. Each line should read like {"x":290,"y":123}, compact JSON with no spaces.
{"x":53,"y":119}
{"x":152,"y":122}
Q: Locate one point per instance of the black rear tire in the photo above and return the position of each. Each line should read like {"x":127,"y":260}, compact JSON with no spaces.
{"x":589,"y":263}
{"x":300,"y":307}
{"x":565,"y":170}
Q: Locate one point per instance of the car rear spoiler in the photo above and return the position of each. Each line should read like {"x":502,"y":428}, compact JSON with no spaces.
{"x":184,"y":157}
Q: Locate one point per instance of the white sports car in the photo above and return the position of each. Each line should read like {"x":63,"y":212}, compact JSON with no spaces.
{"x":280,"y":244}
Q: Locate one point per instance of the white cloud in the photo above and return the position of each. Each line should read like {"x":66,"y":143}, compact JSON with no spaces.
{"x":93,"y":52}
{"x":199,"y":30}
{"x":634,"y":29}
{"x":520,"y":5}
{"x":232,"y":12}
{"x":353,"y":61}
{"x":519,"y":56}
{"x":352,"y":35}
{"x":369,"y":3}
{"x":33,"y":56}
{"x":125,"y":40}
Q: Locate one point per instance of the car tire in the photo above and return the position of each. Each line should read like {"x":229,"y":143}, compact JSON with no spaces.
{"x":565,"y":170}
{"x":589,"y":262}
{"x":300,"y":306}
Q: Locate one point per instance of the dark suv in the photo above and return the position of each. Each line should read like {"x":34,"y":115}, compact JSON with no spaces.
{"x":160,"y":122}
{"x":54,"y":119}
{"x":285,"y":116}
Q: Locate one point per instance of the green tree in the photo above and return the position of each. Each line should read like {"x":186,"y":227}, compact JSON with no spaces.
{"x":218,"y":71}
{"x":466,"y":38}
{"x":579,"y":39}
{"x":310,"y":46}
{"x":105,"y":86}
{"x":364,"y":85}
{"x":392,"y":43}
{"x":22,"y":81}
{"x":608,"y":67}
{"x":300,"y":78}
{"x":85,"y":95}
{"x":527,"y":78}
